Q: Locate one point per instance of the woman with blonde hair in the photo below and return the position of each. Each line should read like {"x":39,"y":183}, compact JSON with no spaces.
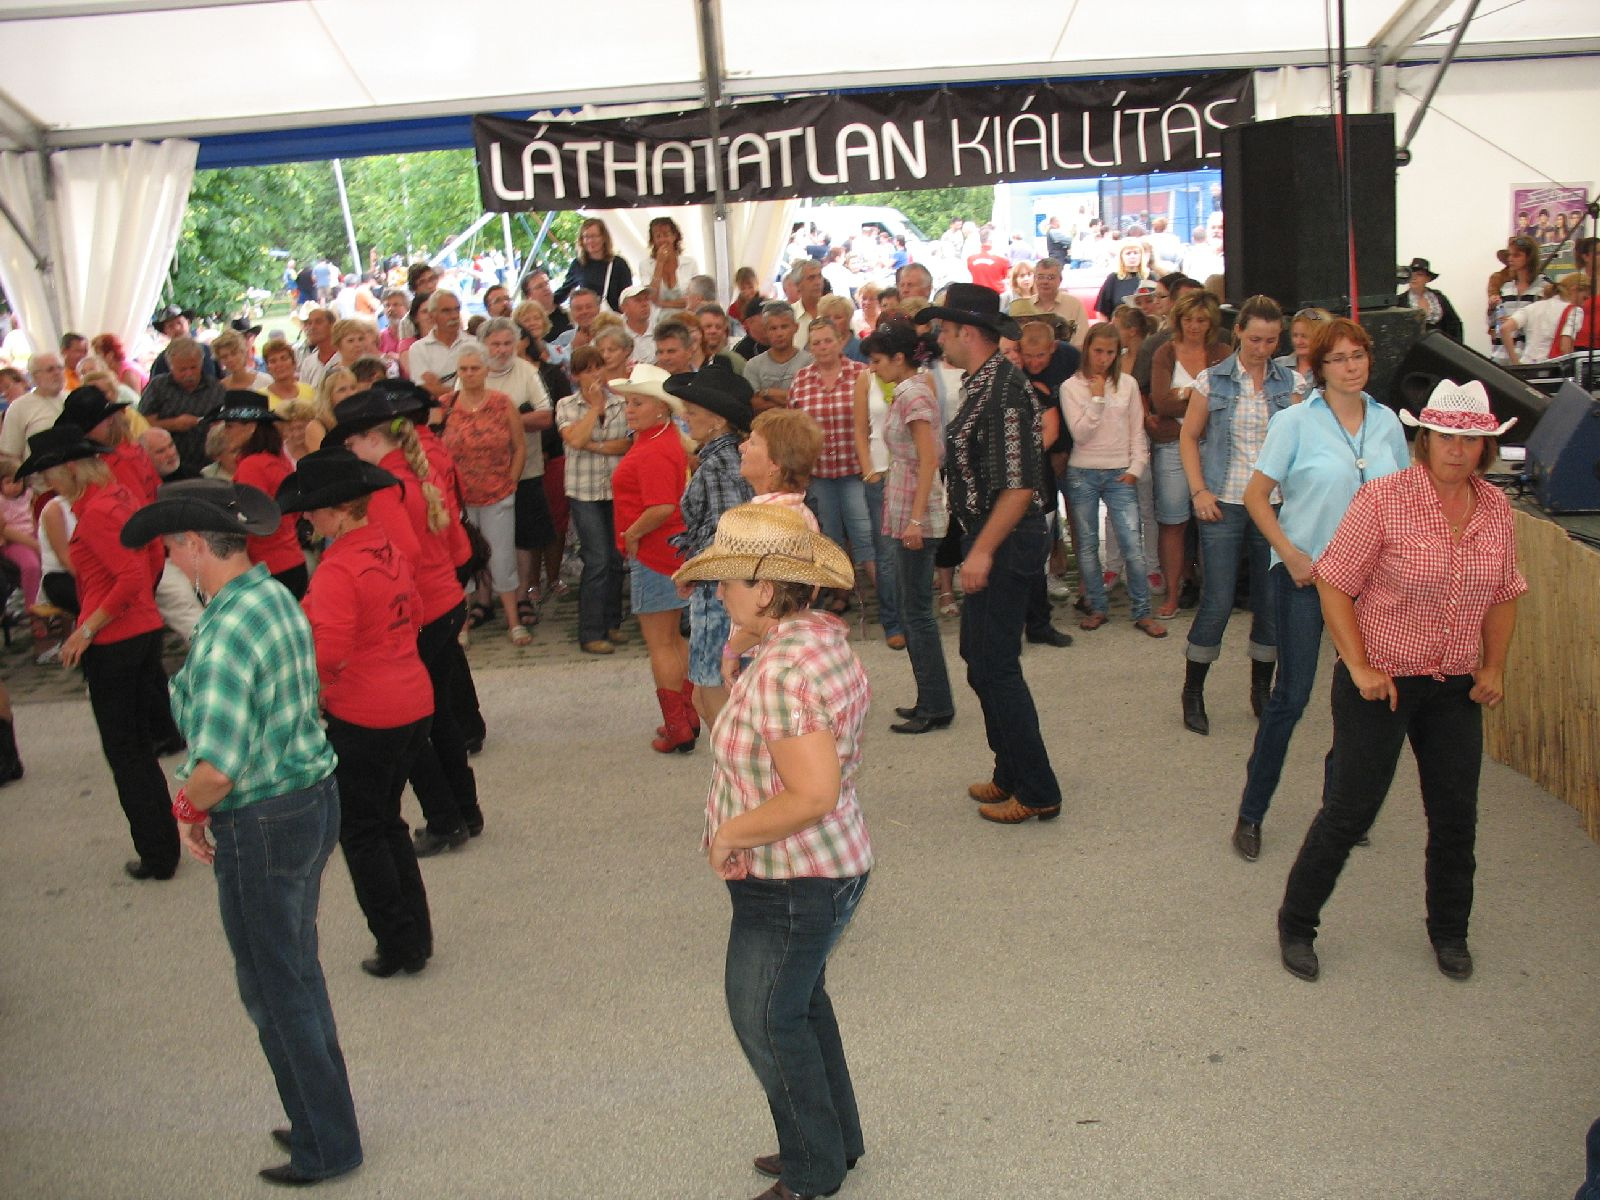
{"x":338,"y":384}
{"x":239,"y":372}
{"x":1019,"y":286}
{"x":354,"y":338}
{"x":597,"y":267}
{"x":1133,"y":268}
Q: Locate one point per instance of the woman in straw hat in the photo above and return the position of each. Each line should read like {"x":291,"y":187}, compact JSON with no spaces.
{"x":1419,"y":591}
{"x":784,"y":830}
{"x":647,"y":487}
{"x":260,"y":774}
{"x":365,"y":616}
{"x":118,"y":635}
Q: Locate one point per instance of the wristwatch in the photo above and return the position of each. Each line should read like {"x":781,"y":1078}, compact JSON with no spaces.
{"x":88,"y":634}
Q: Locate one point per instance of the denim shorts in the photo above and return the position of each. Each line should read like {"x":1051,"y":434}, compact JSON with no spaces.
{"x":651,"y":591}
{"x":1170,"y":483}
{"x":708,"y":634}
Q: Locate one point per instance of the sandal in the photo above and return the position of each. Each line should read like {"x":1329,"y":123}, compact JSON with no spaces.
{"x":1093,"y":621}
{"x":948,"y":606}
{"x":1169,"y":610}
{"x":1150,"y":627}
{"x":477,"y":614}
{"x":520,"y":635}
{"x":527,"y":611}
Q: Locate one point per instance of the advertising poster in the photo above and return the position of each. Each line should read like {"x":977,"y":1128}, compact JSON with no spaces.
{"x":1550,"y":215}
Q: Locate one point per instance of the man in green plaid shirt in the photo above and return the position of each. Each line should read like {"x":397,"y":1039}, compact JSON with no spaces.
{"x":260,"y":774}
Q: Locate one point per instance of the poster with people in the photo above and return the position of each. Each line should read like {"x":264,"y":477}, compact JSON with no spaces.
{"x":1552,"y":216}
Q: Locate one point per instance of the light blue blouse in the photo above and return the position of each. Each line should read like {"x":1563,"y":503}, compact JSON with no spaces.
{"x":1314,"y":461}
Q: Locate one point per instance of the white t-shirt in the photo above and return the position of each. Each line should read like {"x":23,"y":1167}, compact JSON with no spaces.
{"x":1541,"y":325}
{"x":522,"y":382}
{"x":430,"y":354}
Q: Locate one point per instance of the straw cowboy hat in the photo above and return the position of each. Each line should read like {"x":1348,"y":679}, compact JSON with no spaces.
{"x":328,"y":477}
{"x":203,"y":506}
{"x":769,"y":541}
{"x":1461,"y":408}
{"x":648,"y":380}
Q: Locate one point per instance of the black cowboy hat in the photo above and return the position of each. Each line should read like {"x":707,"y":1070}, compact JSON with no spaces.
{"x":203,"y":506}
{"x":970,"y":304}
{"x":167,"y":313}
{"x":56,"y":445}
{"x":408,"y":398}
{"x":360,"y":412}
{"x":86,"y":406}
{"x":241,"y":405}
{"x":329,"y":476}
{"x":1421,"y":264}
{"x":708,"y":390}
{"x":242,"y":325}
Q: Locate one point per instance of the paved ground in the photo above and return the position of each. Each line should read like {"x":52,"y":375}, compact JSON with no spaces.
{"x":1091,"y":1008}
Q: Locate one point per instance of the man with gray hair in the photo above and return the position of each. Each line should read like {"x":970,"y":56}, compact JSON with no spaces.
{"x":914,"y":280}
{"x":177,"y":400}
{"x":1049,"y":298}
{"x":514,"y":375}
{"x":806,"y":275}
{"x":433,"y":358}
{"x":35,"y":411}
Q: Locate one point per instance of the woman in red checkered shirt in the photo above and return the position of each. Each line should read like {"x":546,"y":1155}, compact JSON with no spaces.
{"x":1419,"y":590}
{"x":784,"y":830}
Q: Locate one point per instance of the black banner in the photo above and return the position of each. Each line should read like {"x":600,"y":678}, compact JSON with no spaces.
{"x":830,"y":145}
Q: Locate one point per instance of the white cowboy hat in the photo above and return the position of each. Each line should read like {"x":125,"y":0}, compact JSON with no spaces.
{"x":1458,"y":408}
{"x":647,"y":380}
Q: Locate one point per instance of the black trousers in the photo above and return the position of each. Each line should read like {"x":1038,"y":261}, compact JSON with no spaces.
{"x":1445,"y":728}
{"x":373,"y":765}
{"x":122,"y":676}
{"x":440,"y":775}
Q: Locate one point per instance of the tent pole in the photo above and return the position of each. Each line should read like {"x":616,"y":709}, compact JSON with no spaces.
{"x":1438,"y":78}
{"x":711,"y":71}
{"x":349,"y":225}
{"x":511,"y":251}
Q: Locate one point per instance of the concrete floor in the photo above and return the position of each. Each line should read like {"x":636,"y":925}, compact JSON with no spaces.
{"x":1091,"y":1008}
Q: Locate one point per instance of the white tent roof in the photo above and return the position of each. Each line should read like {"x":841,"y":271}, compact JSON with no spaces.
{"x":83,"y":72}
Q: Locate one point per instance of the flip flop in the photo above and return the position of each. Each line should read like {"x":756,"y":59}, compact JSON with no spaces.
{"x":1093,"y":621}
{"x":1150,"y":627}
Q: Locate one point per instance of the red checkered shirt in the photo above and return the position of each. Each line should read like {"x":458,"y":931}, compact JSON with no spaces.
{"x":1420,"y":596}
{"x":804,"y":678}
{"x":834,"y":408}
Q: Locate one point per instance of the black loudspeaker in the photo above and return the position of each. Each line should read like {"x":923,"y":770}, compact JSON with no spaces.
{"x":1436,"y":357}
{"x":1564,"y":454}
{"x":1283,"y":199}
{"x":1394,"y":331}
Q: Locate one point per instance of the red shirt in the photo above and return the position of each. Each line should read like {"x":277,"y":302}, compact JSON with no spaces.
{"x":1421,"y":596}
{"x":989,"y":271}
{"x":402,"y":514}
{"x":365,"y":615}
{"x":652,"y":472}
{"x":134,"y":471}
{"x":280,"y":549}
{"x":834,"y":408}
{"x":110,"y":576}
{"x":442,"y":472}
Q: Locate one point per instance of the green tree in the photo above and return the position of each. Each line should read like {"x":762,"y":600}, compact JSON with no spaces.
{"x":932,"y":210}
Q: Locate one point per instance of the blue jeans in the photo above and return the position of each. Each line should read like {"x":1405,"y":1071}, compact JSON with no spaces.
{"x":270,"y":857}
{"x":1590,"y":1188}
{"x":1297,"y":619}
{"x":1086,"y":487}
{"x":991,"y":646}
{"x":1222,"y":545}
{"x":915,"y":569}
{"x":842,"y":513}
{"x":776,"y":984}
{"x":600,"y":586}
{"x":1445,"y":728}
{"x":889,"y":613}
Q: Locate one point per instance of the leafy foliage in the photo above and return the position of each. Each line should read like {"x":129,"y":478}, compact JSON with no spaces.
{"x":932,"y":210}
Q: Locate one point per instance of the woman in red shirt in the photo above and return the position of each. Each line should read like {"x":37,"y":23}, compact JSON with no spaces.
{"x":253,"y":435}
{"x":118,"y":638}
{"x":645,"y":489}
{"x":365,"y":615}
{"x":99,"y":415}
{"x":417,"y":521}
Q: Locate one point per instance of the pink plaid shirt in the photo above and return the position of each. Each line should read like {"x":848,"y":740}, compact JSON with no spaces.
{"x":834,"y":408}
{"x":1421,"y":597}
{"x":804,"y":678}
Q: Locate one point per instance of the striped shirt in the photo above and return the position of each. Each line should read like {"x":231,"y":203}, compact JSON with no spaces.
{"x":246,"y":699}
{"x":805,"y":678}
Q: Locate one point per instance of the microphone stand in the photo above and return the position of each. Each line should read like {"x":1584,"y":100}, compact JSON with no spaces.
{"x":1591,"y":212}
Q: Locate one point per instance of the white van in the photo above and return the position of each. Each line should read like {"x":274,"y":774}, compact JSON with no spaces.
{"x":844,"y":222}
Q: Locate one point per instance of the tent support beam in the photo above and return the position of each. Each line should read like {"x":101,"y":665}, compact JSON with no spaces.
{"x":1401,"y":31}
{"x":41,"y":261}
{"x":710,"y":28}
{"x":1403,"y":151}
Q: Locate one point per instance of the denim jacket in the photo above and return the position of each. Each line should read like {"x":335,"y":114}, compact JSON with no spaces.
{"x":1224,"y":383}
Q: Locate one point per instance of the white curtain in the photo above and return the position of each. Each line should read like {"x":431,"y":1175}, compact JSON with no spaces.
{"x":1303,"y":92}
{"x":110,"y":233}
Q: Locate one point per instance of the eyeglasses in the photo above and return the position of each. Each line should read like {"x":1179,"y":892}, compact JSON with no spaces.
{"x":1339,"y":360}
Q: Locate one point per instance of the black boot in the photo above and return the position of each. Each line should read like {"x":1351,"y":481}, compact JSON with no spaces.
{"x":1194,"y":697}
{"x":1260,"y":685}
{"x":10,"y":760}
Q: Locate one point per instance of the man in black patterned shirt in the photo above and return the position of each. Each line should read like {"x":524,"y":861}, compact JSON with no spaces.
{"x":994,"y":458}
